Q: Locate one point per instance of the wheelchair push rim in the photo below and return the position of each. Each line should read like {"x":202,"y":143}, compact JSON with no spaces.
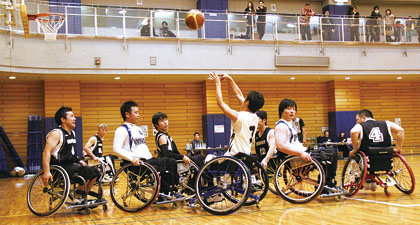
{"x":45,"y":201}
{"x":402,"y":174}
{"x":259,"y":183}
{"x":223,"y":185}
{"x":133,"y":190}
{"x":299,"y":181}
{"x":354,"y":174}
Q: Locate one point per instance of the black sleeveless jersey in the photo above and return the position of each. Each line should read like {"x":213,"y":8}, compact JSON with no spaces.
{"x":261,"y":143}
{"x":375,"y":134}
{"x":171,"y":143}
{"x":65,"y":151}
{"x":97,"y":148}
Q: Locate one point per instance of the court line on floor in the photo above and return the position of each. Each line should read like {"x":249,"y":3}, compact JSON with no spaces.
{"x":384,"y":203}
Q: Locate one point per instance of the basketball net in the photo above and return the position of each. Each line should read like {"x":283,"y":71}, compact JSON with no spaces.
{"x":50,"y":23}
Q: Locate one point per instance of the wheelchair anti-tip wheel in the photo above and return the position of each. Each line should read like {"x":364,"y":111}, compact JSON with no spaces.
{"x":354,"y":174}
{"x":402,"y":174}
{"x":45,"y":201}
{"x":299,"y":181}
{"x":223,"y":185}
{"x":259,"y":183}
{"x":134,"y":188}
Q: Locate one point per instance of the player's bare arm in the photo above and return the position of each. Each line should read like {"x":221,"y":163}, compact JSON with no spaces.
{"x":52,"y":141}
{"x":230,"y":113}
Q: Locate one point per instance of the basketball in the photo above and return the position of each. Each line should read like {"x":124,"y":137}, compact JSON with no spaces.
{"x":194,"y":19}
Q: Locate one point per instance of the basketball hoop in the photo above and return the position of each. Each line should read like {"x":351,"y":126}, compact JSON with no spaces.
{"x":50,"y":23}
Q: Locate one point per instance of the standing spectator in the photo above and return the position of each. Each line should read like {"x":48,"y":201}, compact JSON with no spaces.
{"x":373,"y":28}
{"x":389,"y":25}
{"x":145,"y":30}
{"x":165,"y":32}
{"x":354,"y":23}
{"x":261,"y":11}
{"x":418,"y":29}
{"x":305,"y":19}
{"x":327,"y":26}
{"x":399,"y":27}
{"x":249,"y":11}
{"x":409,"y":25}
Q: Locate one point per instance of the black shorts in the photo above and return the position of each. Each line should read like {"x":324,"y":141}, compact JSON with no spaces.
{"x":87,"y":172}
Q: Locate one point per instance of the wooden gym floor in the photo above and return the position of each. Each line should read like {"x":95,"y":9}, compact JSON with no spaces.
{"x":366,"y":207}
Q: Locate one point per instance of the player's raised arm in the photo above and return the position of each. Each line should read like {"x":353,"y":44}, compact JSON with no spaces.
{"x":236,"y":89}
{"x":230,"y":113}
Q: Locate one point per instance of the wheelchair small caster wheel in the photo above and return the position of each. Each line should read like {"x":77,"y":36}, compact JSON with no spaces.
{"x":387,"y":192}
{"x":176,"y":205}
{"x":105,"y":207}
{"x":338,"y":197}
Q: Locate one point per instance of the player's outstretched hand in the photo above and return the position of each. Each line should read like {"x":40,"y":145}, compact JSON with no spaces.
{"x":214,"y":77}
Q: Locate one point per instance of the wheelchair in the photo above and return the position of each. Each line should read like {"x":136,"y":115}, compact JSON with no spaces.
{"x":134,"y":188}
{"x":224,"y":184}
{"x":298,"y":181}
{"x":380,"y":165}
{"x":47,"y":200}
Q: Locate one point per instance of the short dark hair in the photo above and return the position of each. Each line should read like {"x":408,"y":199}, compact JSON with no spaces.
{"x":126,"y":107}
{"x":307,"y":4}
{"x":365,"y":112}
{"x":164,"y":22}
{"x":286,"y":103}
{"x":375,"y":7}
{"x":196,"y":133}
{"x":61,"y":113}
{"x":262,"y":115}
{"x":256,"y":100}
{"x":261,"y":1}
{"x":325,"y":131}
{"x":158,"y":116}
{"x":342,"y":132}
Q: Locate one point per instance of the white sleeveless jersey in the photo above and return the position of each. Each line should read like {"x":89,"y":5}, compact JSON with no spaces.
{"x":243,"y":133}
{"x":292,"y":137}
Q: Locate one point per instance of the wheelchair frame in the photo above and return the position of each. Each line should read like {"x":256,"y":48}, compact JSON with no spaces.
{"x":355,"y":174}
{"x":45,"y":201}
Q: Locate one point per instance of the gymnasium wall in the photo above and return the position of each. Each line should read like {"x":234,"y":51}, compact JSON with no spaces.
{"x":17,"y":101}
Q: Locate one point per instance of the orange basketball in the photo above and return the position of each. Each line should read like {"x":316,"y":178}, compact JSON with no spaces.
{"x":194,"y":19}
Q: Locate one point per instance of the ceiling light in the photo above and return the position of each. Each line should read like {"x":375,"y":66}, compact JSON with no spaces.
{"x":122,"y":11}
{"x":292,"y":78}
{"x":117,"y":78}
{"x":12,"y":77}
{"x":290,"y":25}
{"x":399,"y":78}
{"x":347,"y":78}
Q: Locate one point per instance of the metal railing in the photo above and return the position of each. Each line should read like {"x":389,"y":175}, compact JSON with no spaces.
{"x":125,"y":22}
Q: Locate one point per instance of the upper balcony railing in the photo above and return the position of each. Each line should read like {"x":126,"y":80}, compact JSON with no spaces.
{"x":126,"y":22}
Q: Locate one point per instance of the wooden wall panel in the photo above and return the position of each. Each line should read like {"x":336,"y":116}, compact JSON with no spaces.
{"x":390,"y":100}
{"x":17,"y":101}
{"x":182,"y":102}
{"x":61,"y":93}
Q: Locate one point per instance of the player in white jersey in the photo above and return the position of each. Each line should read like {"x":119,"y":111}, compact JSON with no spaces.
{"x":285,"y":133}
{"x":245,"y":122}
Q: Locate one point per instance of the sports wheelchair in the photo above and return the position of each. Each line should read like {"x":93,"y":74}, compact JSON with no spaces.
{"x":47,"y":200}
{"x":298,"y":181}
{"x":380,"y":165}
{"x":224,"y":184}
{"x":134,"y":188}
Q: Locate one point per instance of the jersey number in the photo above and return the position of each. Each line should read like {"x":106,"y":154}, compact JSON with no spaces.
{"x":252,"y":129}
{"x":375,"y":135}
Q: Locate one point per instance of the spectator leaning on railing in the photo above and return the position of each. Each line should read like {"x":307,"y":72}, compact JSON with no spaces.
{"x":373,"y":29}
{"x":354,"y":23}
{"x":410,"y":24}
{"x":328,"y":27}
{"x":305,"y":19}
{"x":389,"y":25}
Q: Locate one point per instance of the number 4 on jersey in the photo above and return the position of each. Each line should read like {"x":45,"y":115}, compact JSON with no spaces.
{"x":375,"y":135}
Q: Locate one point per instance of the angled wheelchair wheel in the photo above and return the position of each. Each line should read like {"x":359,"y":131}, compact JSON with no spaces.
{"x":223,"y":185}
{"x":45,"y":201}
{"x":187,"y":174}
{"x":134,"y":188}
{"x":271,"y":171}
{"x":354,"y":174}
{"x":259,"y":183}
{"x":402,"y":174}
{"x":299,"y":181}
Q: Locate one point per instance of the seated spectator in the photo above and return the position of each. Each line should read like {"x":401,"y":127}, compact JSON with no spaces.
{"x":165,"y":32}
{"x":324,"y":139}
{"x":343,"y":147}
{"x":145,"y":30}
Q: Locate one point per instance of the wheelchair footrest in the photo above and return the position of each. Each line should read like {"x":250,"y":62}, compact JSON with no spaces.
{"x":332,"y":191}
{"x":169,"y":199}
{"x":93,"y":203}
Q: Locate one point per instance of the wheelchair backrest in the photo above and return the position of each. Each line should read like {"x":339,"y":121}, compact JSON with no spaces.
{"x":379,"y":158}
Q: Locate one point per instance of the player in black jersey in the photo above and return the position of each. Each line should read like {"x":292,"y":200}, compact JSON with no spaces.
{"x":61,"y":145}
{"x":94,"y":149}
{"x":264,"y":140}
{"x":166,"y":145}
{"x":371,"y":133}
